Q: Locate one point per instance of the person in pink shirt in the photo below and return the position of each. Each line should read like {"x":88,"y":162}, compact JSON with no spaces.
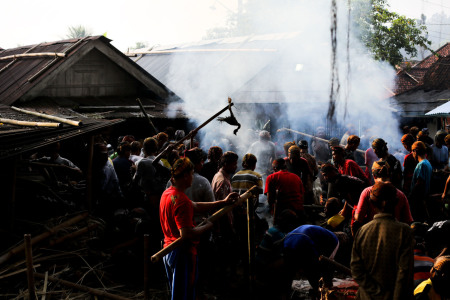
{"x":364,"y":211}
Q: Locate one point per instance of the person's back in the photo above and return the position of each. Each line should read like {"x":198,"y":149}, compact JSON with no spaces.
{"x":381,"y":261}
{"x":265,"y":152}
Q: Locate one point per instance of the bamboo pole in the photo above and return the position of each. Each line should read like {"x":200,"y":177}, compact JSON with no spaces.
{"x":30,"y":271}
{"x":74,"y":234}
{"x":62,"y":120}
{"x":18,"y":272}
{"x":44,"y":289}
{"x":147,"y":116}
{"x":80,"y":287}
{"x":43,"y":54}
{"x":27,"y":123}
{"x":42,"y":236}
{"x":213,"y":218}
{"x":192,"y":133}
{"x":315,"y":137}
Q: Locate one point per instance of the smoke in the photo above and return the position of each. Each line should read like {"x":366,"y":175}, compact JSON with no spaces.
{"x":287,"y":73}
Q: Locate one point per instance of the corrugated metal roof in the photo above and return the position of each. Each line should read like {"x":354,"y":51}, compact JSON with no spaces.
{"x":183,"y":67}
{"x":417,"y":102}
{"x":442,"y":110}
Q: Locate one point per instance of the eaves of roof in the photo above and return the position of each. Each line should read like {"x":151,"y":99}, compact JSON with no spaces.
{"x":16,"y":139}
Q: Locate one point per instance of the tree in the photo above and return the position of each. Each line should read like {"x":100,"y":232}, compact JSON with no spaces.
{"x":77,"y":32}
{"x":139,"y":45}
{"x":387,"y":33}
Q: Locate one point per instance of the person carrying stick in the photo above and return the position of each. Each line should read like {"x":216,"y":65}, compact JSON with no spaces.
{"x":176,"y":216}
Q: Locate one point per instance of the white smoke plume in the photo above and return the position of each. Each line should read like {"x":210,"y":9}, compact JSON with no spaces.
{"x":296,"y":82}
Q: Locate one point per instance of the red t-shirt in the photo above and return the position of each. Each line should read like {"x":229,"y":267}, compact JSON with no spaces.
{"x":289,"y":185}
{"x":176,"y":211}
{"x":351,"y":168}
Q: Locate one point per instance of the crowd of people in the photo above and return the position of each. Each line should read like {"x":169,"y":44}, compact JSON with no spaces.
{"x":383,"y":215}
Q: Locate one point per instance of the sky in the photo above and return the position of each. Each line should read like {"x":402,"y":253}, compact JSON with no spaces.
{"x":156,"y":22}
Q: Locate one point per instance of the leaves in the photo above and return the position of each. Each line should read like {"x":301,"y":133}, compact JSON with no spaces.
{"x":77,"y":32}
{"x":387,"y":33}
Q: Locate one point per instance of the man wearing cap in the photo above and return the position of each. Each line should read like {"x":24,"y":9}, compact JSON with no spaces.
{"x":420,"y":183}
{"x":424,"y":136}
{"x":380,"y":148}
{"x":176,"y":216}
{"x":382,"y":254}
{"x":365,"y":210}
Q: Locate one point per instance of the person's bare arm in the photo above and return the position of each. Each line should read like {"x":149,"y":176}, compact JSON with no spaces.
{"x":209,"y":206}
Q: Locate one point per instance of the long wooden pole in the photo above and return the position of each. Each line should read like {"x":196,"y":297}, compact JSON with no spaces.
{"x":213,"y":218}
{"x":147,"y":116}
{"x":315,"y":137}
{"x":49,"y":54}
{"x":336,"y":265}
{"x":80,"y":287}
{"x":192,"y":133}
{"x":30,"y":271}
{"x":62,"y":120}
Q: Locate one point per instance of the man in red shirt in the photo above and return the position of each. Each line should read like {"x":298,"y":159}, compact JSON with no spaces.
{"x":176,"y":215}
{"x":284,"y":190}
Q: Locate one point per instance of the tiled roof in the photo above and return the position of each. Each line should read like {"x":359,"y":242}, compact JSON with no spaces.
{"x":410,"y":77}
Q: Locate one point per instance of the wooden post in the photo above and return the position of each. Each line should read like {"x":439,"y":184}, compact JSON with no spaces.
{"x":146,"y":266}
{"x":251,"y":243}
{"x":30,"y":271}
{"x":89,"y":187}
